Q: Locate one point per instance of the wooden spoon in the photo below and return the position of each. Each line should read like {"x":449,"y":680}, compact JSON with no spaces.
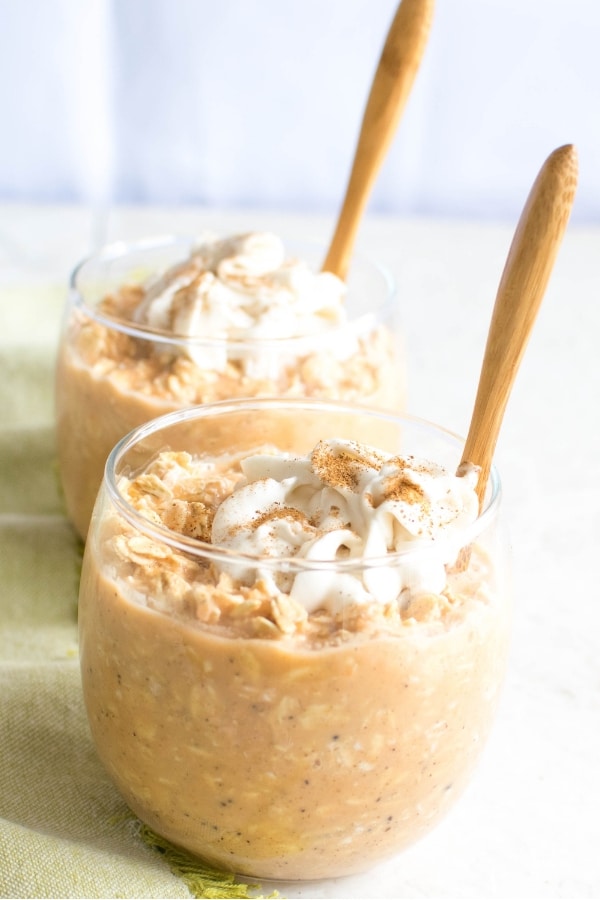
{"x":393,"y":80}
{"x":526,"y":273}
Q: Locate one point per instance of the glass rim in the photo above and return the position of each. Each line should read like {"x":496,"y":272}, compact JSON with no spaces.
{"x":119,"y":250}
{"x":195,"y":547}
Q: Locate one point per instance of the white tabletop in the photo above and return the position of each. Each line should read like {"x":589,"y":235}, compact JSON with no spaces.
{"x":528,"y":824}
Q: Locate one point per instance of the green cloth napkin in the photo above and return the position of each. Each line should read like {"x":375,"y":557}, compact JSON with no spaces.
{"x":64,"y":829}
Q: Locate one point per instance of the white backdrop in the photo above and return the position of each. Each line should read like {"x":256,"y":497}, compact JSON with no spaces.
{"x":257,"y":103}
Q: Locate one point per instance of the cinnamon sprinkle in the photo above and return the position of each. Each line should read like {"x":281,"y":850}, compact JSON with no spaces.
{"x":341,"y":468}
{"x":279,"y":512}
{"x":400,"y":487}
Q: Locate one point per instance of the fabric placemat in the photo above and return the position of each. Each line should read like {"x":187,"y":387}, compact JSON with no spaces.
{"x":64,"y":829}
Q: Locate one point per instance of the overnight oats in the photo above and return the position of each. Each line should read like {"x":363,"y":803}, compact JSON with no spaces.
{"x":163,"y":324}
{"x":292,"y":644}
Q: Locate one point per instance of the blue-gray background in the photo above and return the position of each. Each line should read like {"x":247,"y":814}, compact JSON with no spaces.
{"x":257,"y":103}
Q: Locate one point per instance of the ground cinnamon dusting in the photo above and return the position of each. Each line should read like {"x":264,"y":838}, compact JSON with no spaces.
{"x":340,"y":468}
{"x":400,"y":487}
{"x":279,"y":512}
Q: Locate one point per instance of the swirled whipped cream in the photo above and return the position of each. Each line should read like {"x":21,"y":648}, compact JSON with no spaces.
{"x":347,"y":501}
{"x":238,"y":289}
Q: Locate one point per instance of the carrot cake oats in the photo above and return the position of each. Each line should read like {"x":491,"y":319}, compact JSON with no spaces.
{"x":234,"y":317}
{"x":290,"y":663}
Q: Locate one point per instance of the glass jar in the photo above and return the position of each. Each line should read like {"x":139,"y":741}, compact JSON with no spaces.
{"x":114,"y":373}
{"x":272,"y":741}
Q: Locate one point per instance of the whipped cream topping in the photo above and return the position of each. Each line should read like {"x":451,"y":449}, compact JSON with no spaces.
{"x":347,"y":501}
{"x":238,"y":289}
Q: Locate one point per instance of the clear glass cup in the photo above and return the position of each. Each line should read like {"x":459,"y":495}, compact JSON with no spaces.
{"x":114,"y":374}
{"x":273,"y":746}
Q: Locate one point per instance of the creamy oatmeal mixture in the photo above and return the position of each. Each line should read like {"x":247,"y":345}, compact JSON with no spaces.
{"x":249,"y":322}
{"x":279,"y":721}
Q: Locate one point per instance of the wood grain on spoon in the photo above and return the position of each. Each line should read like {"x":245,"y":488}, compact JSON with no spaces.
{"x":393,"y":80}
{"x":524,"y":280}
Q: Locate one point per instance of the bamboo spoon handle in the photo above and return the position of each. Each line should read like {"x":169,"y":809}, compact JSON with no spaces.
{"x":396,"y":71}
{"x":524,"y":280}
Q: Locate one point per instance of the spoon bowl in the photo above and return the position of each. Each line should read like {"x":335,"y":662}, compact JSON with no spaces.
{"x":522,"y":287}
